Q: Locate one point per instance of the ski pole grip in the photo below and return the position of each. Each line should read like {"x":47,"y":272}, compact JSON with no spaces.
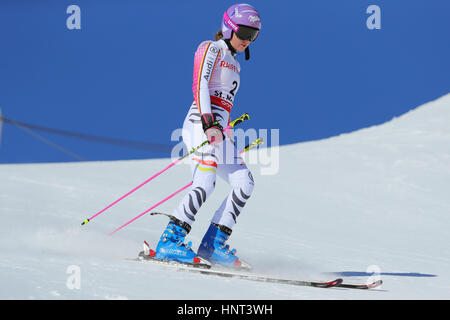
{"x":239,"y":120}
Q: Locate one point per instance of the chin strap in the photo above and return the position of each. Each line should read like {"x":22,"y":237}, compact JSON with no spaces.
{"x":247,"y":53}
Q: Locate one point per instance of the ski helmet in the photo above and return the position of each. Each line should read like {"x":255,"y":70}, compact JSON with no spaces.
{"x":242,"y":19}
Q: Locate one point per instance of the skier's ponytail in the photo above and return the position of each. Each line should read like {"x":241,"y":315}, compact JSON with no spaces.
{"x":219,"y":35}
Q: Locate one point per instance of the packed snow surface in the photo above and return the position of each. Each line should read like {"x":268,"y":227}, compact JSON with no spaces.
{"x":377,"y":199}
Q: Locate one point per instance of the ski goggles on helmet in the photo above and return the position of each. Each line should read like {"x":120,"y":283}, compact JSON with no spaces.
{"x":242,"y":32}
{"x":247,"y":33}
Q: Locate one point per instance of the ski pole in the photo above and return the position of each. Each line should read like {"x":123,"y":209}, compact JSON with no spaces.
{"x":252,"y":145}
{"x":151,"y":208}
{"x":247,"y":148}
{"x":232,"y":124}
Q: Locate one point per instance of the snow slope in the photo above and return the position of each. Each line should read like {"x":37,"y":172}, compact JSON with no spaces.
{"x":376,"y":197}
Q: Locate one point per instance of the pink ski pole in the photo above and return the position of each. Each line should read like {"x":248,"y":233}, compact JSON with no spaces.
{"x":153,"y":207}
{"x":131,"y":191}
{"x":232,"y":124}
{"x":248,"y":147}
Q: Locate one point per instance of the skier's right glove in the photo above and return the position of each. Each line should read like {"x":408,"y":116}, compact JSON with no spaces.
{"x":212,"y":129}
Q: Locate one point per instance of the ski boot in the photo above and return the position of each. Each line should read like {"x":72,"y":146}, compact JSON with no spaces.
{"x":171,"y":246}
{"x":214,"y":249}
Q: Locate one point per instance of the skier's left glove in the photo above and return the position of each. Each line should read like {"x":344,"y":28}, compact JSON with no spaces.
{"x":212,"y":129}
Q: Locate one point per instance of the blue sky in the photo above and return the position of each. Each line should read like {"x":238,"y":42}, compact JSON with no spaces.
{"x":315,"y":71}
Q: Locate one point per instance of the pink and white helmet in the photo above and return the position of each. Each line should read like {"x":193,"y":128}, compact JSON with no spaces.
{"x":243,"y":19}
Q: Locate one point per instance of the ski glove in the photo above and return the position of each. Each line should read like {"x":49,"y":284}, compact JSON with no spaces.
{"x":212,"y":129}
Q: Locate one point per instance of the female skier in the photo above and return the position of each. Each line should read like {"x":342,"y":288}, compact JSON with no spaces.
{"x":215,"y":84}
